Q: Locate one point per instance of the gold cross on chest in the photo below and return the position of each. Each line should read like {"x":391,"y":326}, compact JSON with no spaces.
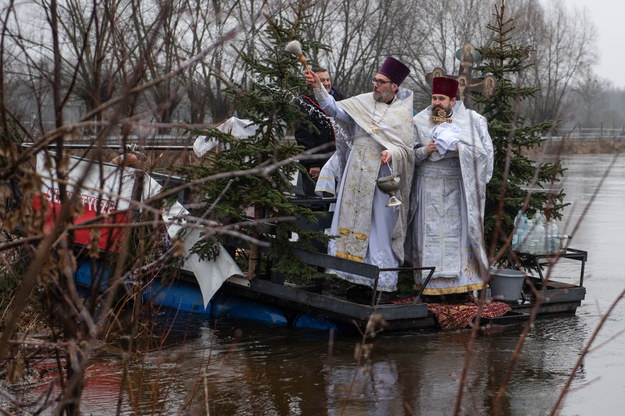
{"x":440,"y":119}
{"x":374,"y":122}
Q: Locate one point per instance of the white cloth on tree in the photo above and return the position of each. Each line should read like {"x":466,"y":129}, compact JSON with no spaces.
{"x":237,"y":127}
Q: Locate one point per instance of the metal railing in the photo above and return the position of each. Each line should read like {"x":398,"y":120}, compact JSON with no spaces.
{"x":588,"y":134}
{"x":173,"y":142}
{"x":160,"y":142}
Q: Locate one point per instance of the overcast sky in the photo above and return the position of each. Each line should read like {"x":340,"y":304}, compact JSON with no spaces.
{"x":608,"y":18}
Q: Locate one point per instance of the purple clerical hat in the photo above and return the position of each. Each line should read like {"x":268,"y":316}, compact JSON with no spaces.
{"x":394,"y":70}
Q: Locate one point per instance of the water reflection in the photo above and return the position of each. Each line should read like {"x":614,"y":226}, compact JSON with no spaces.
{"x":600,"y":389}
{"x":233,"y":368}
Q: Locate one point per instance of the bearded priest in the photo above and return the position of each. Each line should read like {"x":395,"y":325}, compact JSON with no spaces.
{"x":374,"y":140}
{"x":453,"y":163}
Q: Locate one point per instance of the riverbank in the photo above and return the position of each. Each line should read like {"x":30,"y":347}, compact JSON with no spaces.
{"x":581,"y":147}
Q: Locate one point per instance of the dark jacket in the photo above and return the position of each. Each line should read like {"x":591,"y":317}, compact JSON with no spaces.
{"x":315,"y":129}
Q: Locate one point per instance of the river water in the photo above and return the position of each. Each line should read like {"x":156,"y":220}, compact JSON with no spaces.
{"x":243,"y":369}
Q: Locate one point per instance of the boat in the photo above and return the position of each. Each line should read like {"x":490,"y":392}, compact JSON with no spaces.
{"x":218,"y":289}
{"x":279,"y":303}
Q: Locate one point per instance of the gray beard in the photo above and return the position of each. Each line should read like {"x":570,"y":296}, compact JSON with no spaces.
{"x":381,"y":97}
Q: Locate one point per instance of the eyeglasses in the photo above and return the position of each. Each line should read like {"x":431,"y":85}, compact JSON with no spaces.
{"x":379,"y":81}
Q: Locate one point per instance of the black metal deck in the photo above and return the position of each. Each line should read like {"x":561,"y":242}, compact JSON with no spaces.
{"x":550,"y":297}
{"x":397,"y":316}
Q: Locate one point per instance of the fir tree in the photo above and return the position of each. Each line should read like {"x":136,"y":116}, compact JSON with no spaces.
{"x":516,"y":176}
{"x":267,"y":97}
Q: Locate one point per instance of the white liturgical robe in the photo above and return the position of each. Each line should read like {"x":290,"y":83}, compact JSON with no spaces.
{"x":366,"y":229}
{"x":447,"y":201}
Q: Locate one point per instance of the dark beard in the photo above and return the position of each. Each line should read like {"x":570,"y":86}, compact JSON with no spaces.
{"x":438,"y":108}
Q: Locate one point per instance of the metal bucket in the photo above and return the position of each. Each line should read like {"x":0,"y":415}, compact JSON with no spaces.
{"x":506,"y":284}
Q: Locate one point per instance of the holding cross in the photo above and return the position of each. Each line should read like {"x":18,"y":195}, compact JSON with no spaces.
{"x":453,"y":163}
{"x":444,"y":135}
{"x":440,"y":117}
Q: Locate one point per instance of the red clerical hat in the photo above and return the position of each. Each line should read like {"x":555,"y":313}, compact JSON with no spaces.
{"x":394,"y":70}
{"x":445,"y":86}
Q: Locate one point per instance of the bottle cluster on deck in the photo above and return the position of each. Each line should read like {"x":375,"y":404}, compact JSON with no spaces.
{"x":537,"y":235}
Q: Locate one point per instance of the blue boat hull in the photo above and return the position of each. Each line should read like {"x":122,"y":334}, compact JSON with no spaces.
{"x":186,"y":297}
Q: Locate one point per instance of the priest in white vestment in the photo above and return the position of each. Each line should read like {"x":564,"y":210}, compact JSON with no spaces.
{"x":453,"y":163}
{"x":374,"y":139}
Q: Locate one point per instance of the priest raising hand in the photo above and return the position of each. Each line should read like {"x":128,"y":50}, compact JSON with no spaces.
{"x":374,"y":129}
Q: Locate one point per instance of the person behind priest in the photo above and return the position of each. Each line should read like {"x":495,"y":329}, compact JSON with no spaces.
{"x":374,"y":140}
{"x":321,"y":134}
{"x":130,"y":159}
{"x":453,"y":163}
